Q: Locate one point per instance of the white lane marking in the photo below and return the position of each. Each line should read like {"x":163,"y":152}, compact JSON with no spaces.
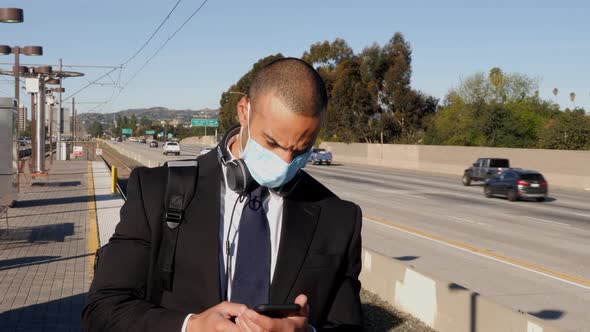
{"x":582,"y":214}
{"x":388,"y":191}
{"x":463,"y":219}
{"x":484,"y":256}
{"x":415,"y":196}
{"x":469,"y":221}
{"x":550,"y":221}
{"x":455,"y":194}
{"x":400,"y":192}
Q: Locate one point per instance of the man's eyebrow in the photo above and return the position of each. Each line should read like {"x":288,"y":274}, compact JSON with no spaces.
{"x":273,"y":141}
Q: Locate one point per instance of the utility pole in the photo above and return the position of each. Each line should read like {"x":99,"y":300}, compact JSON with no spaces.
{"x":74,"y":119}
{"x":60,"y":120}
{"x":40,"y":127}
{"x":50,"y":127}
{"x":33,"y":130}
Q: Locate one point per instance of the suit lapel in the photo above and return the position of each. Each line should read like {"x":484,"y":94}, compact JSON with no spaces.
{"x":299,"y":224}
{"x":203,"y":217}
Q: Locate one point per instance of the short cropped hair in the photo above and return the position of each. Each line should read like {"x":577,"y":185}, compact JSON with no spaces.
{"x":294,"y":82}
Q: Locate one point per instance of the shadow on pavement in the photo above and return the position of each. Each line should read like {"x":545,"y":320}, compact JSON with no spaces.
{"x":43,"y":233}
{"x":548,"y":314}
{"x":62,"y":200}
{"x":14,"y":263}
{"x":23,"y":261}
{"x":51,"y":201}
{"x":58,"y":315}
{"x":406,"y":258}
{"x":56,"y":184}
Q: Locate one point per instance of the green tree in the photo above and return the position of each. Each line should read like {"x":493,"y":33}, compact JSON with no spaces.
{"x":573,"y":99}
{"x":570,"y":130}
{"x":133,"y":125}
{"x":349,"y":112}
{"x":500,"y":109}
{"x":328,"y":55}
{"x":95,"y":129}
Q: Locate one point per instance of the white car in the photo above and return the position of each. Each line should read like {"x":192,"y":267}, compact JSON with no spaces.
{"x":205,"y":150}
{"x":171,"y":148}
{"x":133,"y":139}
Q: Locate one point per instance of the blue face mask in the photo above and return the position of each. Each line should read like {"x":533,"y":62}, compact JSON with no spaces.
{"x":268,"y":169}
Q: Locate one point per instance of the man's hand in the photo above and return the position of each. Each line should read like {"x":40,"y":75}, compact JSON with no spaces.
{"x":216,"y":318}
{"x":251,"y":321}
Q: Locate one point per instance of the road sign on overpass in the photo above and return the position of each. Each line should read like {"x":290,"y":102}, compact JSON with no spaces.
{"x":126,"y":131}
{"x":150,"y":132}
{"x":204,"y":123}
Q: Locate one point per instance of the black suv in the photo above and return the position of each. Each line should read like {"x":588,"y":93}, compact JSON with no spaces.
{"x":483,"y":169}
{"x":516,"y":184}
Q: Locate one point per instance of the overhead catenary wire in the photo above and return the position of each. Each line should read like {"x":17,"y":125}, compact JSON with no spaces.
{"x":89,"y":84}
{"x":165,"y":43}
{"x":153,"y":34}
{"x":64,"y":65}
{"x":117,"y":85}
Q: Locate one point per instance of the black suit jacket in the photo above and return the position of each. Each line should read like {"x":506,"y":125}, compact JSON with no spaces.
{"x":319,"y":255}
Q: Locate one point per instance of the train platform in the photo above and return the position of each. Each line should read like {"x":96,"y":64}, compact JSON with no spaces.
{"x":47,"y":246}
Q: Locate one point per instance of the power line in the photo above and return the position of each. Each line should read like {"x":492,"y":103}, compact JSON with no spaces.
{"x":89,"y":84}
{"x":120,"y":67}
{"x":64,"y":65}
{"x":153,"y":34}
{"x":166,"y":42}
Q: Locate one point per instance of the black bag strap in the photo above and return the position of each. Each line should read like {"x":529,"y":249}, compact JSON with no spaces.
{"x":180,"y":189}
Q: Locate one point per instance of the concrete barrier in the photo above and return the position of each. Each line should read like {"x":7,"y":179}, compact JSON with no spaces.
{"x":133,"y":155}
{"x":442,"y":305}
{"x":200,"y":140}
{"x":567,"y":169}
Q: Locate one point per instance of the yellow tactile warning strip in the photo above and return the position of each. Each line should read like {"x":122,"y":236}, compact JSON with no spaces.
{"x":92,"y":233}
{"x":572,"y":280}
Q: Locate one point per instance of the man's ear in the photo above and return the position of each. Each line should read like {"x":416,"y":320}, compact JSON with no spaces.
{"x":243,"y":111}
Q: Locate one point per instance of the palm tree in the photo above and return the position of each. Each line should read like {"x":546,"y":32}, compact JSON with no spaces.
{"x":555,"y":92}
{"x":573,"y":99}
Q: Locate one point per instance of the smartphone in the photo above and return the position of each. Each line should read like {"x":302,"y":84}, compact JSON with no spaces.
{"x":277,"y":310}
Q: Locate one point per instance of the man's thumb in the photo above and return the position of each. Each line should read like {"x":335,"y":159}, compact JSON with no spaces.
{"x":302,"y":301}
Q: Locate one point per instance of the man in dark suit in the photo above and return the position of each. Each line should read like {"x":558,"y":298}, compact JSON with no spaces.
{"x":299,"y":245}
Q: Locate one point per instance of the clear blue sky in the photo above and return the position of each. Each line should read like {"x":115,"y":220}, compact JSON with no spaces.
{"x":549,"y":40}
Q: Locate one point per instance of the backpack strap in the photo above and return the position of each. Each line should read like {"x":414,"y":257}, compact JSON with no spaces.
{"x":180,"y":189}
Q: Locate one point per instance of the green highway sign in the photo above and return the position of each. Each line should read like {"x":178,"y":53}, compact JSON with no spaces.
{"x":150,"y":132}
{"x":204,"y":123}
{"x":198,"y":122}
{"x":127,"y":131}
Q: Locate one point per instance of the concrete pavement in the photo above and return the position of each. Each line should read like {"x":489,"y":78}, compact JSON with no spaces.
{"x":47,"y":253}
{"x":44,"y":255}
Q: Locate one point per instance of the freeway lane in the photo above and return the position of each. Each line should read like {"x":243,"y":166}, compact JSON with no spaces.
{"x":545,"y":247}
{"x":553,"y":236}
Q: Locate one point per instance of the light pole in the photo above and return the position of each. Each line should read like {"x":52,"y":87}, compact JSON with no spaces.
{"x":11,"y":15}
{"x":17,"y":70}
{"x":14,"y":15}
{"x":51,"y":101}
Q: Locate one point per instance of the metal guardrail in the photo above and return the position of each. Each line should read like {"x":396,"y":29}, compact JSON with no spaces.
{"x":118,"y":184}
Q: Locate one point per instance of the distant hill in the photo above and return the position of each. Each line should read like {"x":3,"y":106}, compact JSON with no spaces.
{"x":152,"y":113}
